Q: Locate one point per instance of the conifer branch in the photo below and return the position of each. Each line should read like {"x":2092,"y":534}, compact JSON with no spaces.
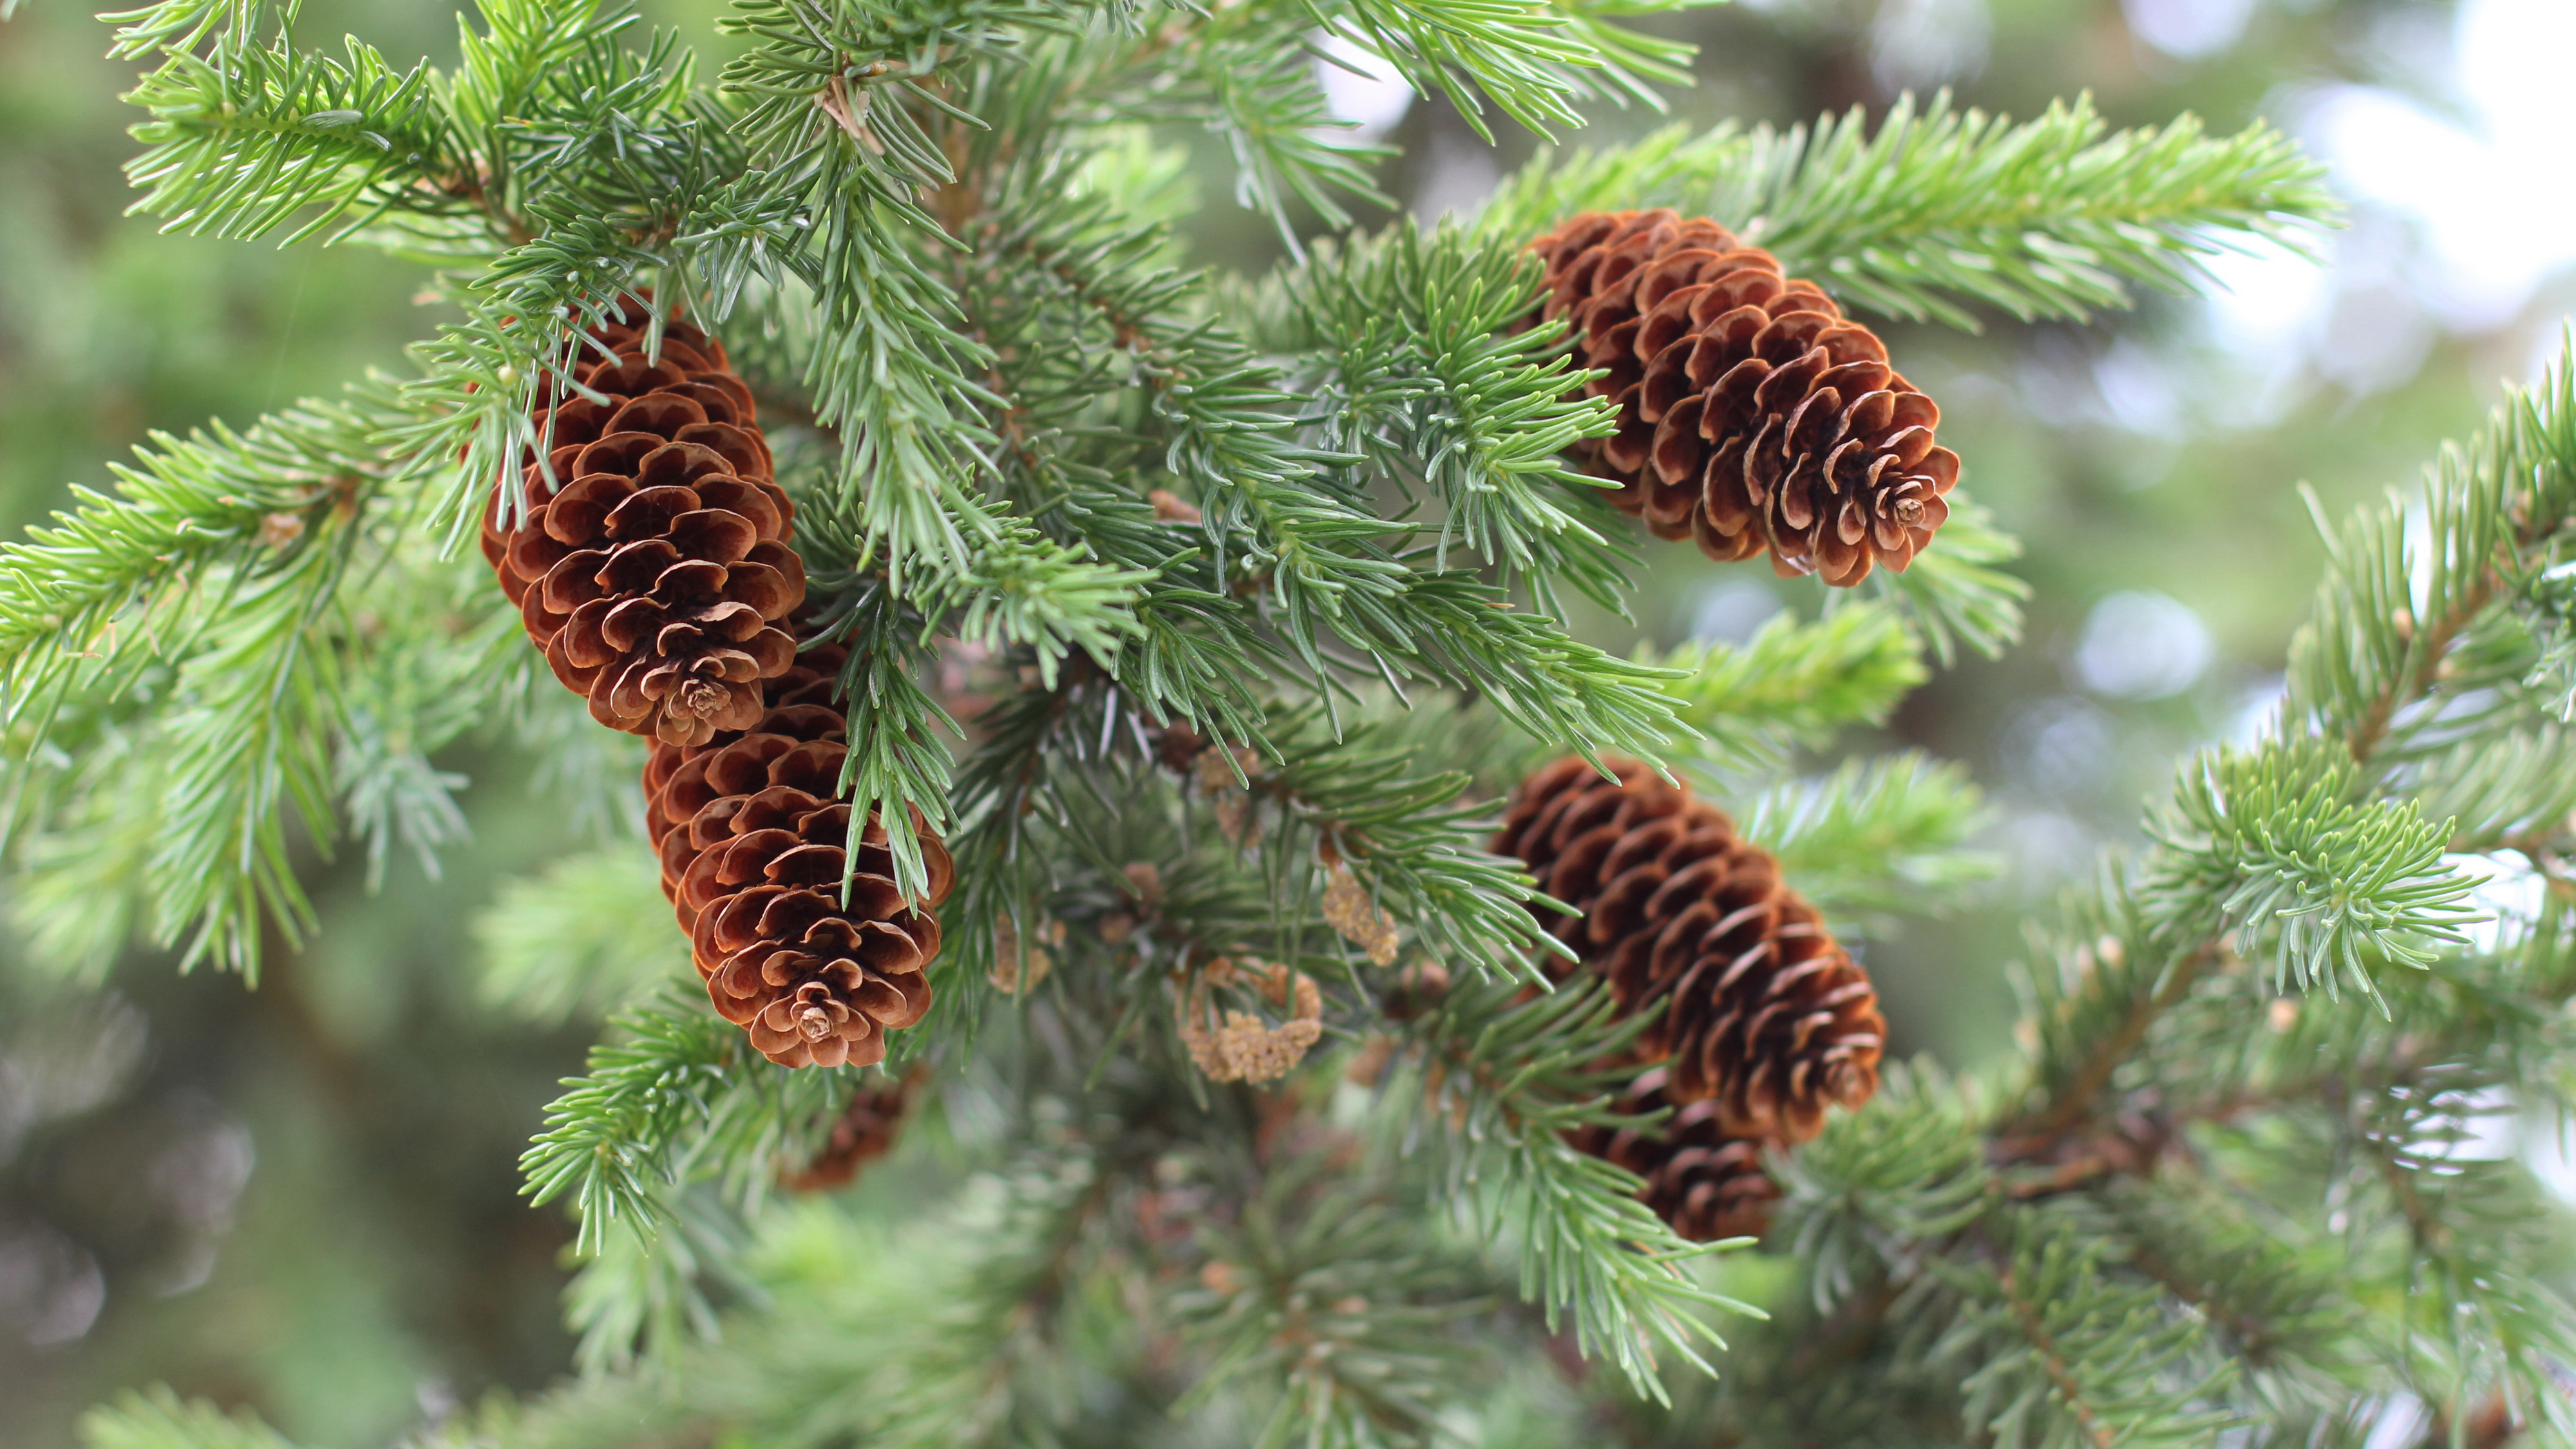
{"x":1490,"y":1088}
{"x":160,"y":1419}
{"x":1535,"y":63}
{"x":2056,"y":217}
{"x":1793,"y":684}
{"x":1876,"y":834}
{"x":1433,"y":381}
{"x":667,"y":1101}
{"x":120,"y":580}
{"x":248,"y":136}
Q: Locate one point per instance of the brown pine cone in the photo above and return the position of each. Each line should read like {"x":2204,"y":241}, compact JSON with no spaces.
{"x":654,"y":567}
{"x":865,"y":1131}
{"x":1752,"y":414}
{"x":751,"y":836}
{"x":1756,"y":1006}
{"x":1705,"y":1182}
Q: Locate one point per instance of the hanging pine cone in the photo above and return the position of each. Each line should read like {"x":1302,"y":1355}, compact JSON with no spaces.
{"x":751,"y":836}
{"x":865,"y":1131}
{"x":1758,"y":1009}
{"x":653,"y":567}
{"x":1752,"y":414}
{"x":1705,"y":1182}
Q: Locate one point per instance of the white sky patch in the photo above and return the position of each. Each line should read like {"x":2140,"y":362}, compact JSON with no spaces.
{"x":2139,"y":644}
{"x":2473,"y":181}
{"x":2549,"y":1148}
{"x":2188,"y":29}
{"x":1730,"y":611}
{"x":1363,"y":90}
{"x":2256,"y":711}
{"x":2509,"y":893}
{"x":2400,"y":1422}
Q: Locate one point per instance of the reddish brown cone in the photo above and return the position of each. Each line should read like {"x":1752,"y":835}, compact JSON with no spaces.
{"x":1707,"y":1184}
{"x":1752,"y":414}
{"x":655,"y":564}
{"x":1759,"y":1011}
{"x":865,"y":1131}
{"x":751,"y":836}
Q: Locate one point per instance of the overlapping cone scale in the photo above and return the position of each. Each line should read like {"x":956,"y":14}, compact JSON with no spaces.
{"x":652,"y":560}
{"x":1705,"y":1182}
{"x":752,"y":841}
{"x":1750,"y":1002}
{"x":1752,"y":413}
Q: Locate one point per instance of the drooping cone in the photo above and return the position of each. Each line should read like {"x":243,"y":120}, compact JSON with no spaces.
{"x":655,"y":564}
{"x":1752,"y":414}
{"x":865,"y":1131}
{"x":1706,"y":1183}
{"x":1760,"y":1013}
{"x":751,"y":836}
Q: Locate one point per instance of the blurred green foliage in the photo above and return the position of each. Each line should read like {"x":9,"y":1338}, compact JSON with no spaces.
{"x":304,"y":1198}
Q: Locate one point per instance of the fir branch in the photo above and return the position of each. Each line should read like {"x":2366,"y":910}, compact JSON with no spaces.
{"x":672,"y":1098}
{"x":896,"y":766}
{"x":183,"y":25}
{"x":1957,"y":594}
{"x":504,"y":70}
{"x":2373,"y":677}
{"x":1536,"y":63}
{"x":1412,"y":842}
{"x":2380,"y":663}
{"x":584,"y":936}
{"x":1877,"y":834}
{"x":1939,"y":210}
{"x":1664,"y":167}
{"x":1871,"y":1195}
{"x":245,"y":138}
{"x":645,"y":1298}
{"x":159,"y":1419}
{"x":248,"y":742}
{"x":122,"y":579}
{"x":2065,"y":1355}
{"x":2269,"y":839}
{"x":1490,"y":1088}
{"x":1326,"y":1296}
{"x":1433,"y":380}
{"x":1279,"y":518}
{"x":610,"y":1142}
{"x":1256,"y":87}
{"x":2056,"y":217}
{"x":530,"y":319}
{"x":1794,"y":685}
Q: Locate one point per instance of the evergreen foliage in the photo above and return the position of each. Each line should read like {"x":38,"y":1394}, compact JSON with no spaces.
{"x":1206,"y":618}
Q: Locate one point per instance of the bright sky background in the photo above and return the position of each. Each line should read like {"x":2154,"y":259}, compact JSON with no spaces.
{"x":2464,"y":185}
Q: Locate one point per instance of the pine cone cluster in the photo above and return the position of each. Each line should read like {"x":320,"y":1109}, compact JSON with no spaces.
{"x":752,"y":835}
{"x":1752,"y":413}
{"x":1705,"y":1182}
{"x":1757,"y":1021}
{"x":654,"y":566}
